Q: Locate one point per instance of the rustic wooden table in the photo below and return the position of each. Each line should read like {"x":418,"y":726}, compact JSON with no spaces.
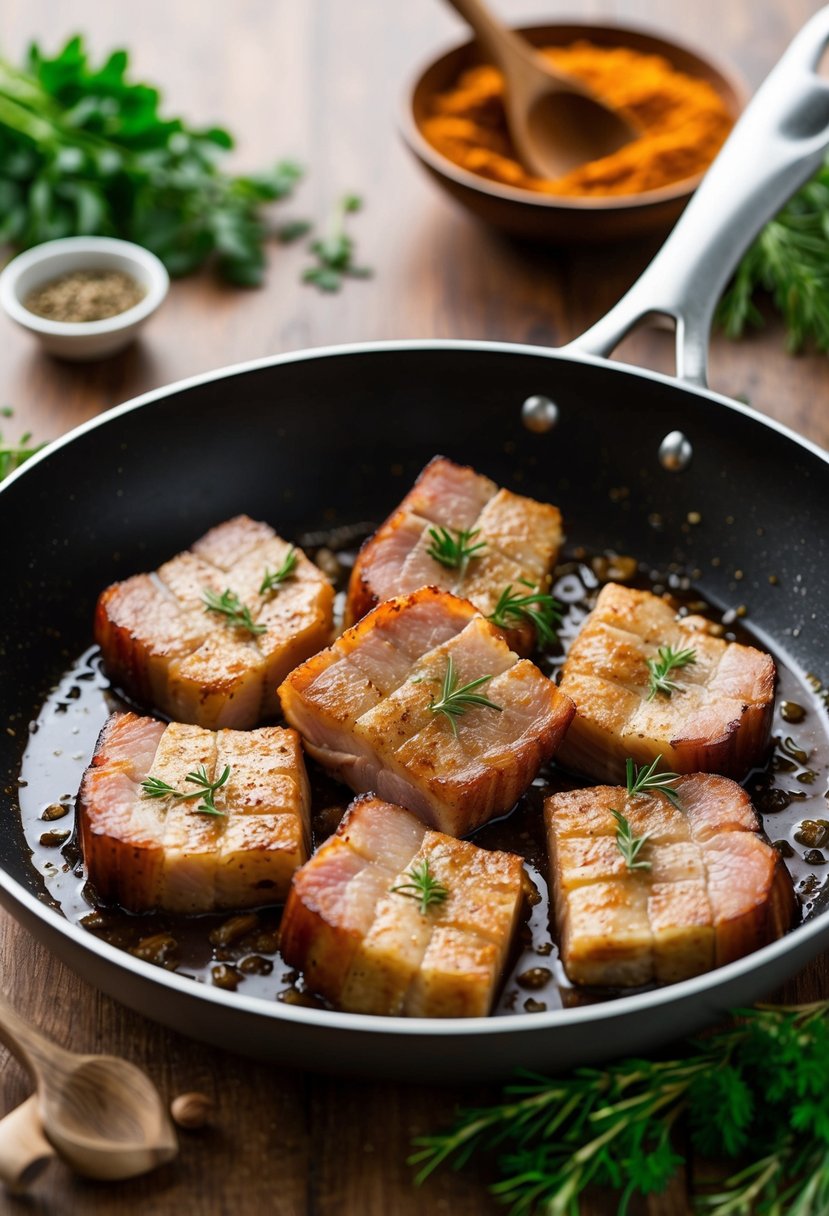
{"x":321,"y":81}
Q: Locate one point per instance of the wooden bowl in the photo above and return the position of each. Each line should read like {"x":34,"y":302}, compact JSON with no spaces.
{"x":544,"y":217}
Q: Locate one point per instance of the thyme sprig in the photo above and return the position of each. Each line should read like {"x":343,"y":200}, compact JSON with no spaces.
{"x":645,"y":779}
{"x":753,"y":1094}
{"x":455,"y":547}
{"x":272,"y":580}
{"x":660,"y":669}
{"x":423,"y":886}
{"x":541,"y":610}
{"x":630,"y":846}
{"x":454,"y":701}
{"x":230,"y":606}
{"x":154,"y":787}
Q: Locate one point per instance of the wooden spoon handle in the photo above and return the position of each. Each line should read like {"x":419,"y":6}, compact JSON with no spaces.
{"x":24,"y":1150}
{"x":31,"y":1047}
{"x":496,"y":38}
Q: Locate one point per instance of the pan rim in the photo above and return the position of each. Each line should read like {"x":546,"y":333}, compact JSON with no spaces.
{"x":637,"y":1003}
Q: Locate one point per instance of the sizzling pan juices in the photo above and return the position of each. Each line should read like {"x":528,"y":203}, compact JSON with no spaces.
{"x":337,"y":436}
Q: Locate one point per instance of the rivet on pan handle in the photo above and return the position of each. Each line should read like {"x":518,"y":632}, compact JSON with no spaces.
{"x":778,"y":143}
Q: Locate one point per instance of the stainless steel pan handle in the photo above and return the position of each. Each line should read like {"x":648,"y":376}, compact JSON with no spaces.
{"x":778,"y":143}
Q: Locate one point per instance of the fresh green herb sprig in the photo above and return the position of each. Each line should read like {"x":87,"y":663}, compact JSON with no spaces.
{"x":274,"y":579}
{"x":753,"y":1094}
{"x":454,"y":701}
{"x":423,"y":886}
{"x":230,"y":606}
{"x":630,"y":846}
{"x":335,"y":251}
{"x":12,"y":456}
{"x":645,"y":779}
{"x":454,"y":548}
{"x":86,"y":149}
{"x":154,"y":787}
{"x":660,"y":669}
{"x":543,"y":611}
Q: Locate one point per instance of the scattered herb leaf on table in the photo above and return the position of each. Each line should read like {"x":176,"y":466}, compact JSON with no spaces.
{"x":752,"y":1096}
{"x":85,"y":150}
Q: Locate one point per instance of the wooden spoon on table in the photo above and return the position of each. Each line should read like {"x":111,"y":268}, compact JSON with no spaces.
{"x":103,"y":1115}
{"x":556,"y":122}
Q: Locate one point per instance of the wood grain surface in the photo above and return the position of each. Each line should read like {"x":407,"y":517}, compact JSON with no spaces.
{"x":321,"y":80}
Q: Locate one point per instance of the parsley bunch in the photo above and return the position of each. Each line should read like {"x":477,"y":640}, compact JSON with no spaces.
{"x":86,"y":150}
{"x":752,"y":1095}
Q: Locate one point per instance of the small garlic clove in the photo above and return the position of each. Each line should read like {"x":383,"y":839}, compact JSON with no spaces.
{"x":191,"y":1111}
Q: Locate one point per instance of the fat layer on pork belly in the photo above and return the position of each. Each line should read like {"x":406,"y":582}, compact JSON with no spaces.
{"x":145,"y":853}
{"x":370,"y":949}
{"x":711,"y":891}
{"x":364,"y":709}
{"x":716,"y":720}
{"x":521,"y":539}
{"x":162,"y":645}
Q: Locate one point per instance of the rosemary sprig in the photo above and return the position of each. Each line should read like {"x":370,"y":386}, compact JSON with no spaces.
{"x":154,"y":787}
{"x":455,"y":701}
{"x":455,"y":547}
{"x":423,"y":886}
{"x":542,"y":611}
{"x":229,"y":605}
{"x":335,"y":251}
{"x":630,"y":846}
{"x":645,"y":779}
{"x":753,"y":1093}
{"x":660,"y":669}
{"x":274,"y":579}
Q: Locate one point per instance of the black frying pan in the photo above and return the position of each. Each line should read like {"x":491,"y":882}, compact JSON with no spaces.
{"x":309,"y":439}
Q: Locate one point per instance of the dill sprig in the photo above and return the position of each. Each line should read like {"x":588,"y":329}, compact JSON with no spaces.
{"x":154,"y":787}
{"x":423,"y":886}
{"x":541,"y":610}
{"x":455,"y":701}
{"x":660,"y":669}
{"x":274,"y":579}
{"x":230,"y":606}
{"x":454,"y":548}
{"x":645,"y":779}
{"x":753,"y":1094}
{"x":630,"y":846}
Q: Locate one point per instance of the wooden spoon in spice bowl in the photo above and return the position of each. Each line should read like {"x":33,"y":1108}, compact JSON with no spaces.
{"x":102,"y":1115}
{"x":556,"y":122}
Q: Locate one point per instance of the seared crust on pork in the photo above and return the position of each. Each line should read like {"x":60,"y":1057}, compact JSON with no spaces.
{"x":164,"y":648}
{"x":717,"y":719}
{"x":713,"y":890}
{"x":364,"y":709}
{"x":370,"y":949}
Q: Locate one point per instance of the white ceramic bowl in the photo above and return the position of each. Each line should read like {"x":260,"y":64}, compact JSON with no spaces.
{"x":49,"y":261}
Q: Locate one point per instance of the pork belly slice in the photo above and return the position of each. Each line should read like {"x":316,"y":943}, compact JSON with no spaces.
{"x":164,"y":648}
{"x":714,"y":891}
{"x":370,"y":949}
{"x":146,"y":853}
{"x":364,"y":710}
{"x":717,"y":719}
{"x":520,"y":541}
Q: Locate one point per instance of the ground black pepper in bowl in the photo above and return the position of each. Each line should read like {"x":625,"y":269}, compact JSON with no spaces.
{"x":85,"y":295}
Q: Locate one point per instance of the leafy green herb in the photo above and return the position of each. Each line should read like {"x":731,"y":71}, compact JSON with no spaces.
{"x":454,"y":701}
{"x":646,"y":780}
{"x":542,"y":611}
{"x":275,"y":579}
{"x":423,"y":886}
{"x":669,"y":660}
{"x":229,"y":605}
{"x":86,"y":149}
{"x":12,"y":456}
{"x":292,"y":231}
{"x":454,"y":548}
{"x":630,"y":846}
{"x":154,"y":787}
{"x":753,"y":1094}
{"x":335,"y":251}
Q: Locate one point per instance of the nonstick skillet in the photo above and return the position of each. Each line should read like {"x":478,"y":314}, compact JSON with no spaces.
{"x":306,"y":440}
